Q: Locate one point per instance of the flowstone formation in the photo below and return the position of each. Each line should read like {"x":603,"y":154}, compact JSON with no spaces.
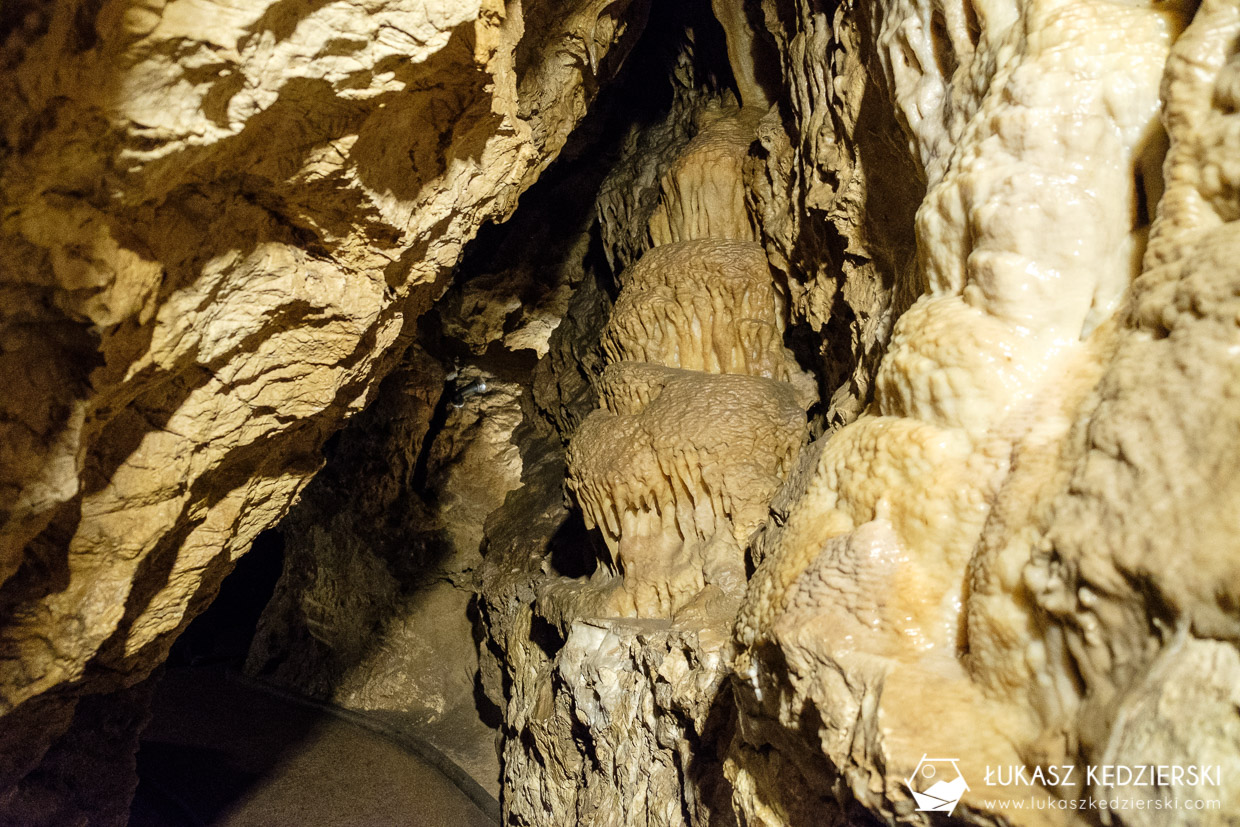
{"x":988,"y":562}
{"x":701,"y":417}
{"x":977,"y":559}
{"x":699,"y":426}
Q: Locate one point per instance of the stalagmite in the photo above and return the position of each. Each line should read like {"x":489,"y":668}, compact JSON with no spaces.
{"x":703,"y":420}
{"x":678,"y":472}
{"x":700,"y":413}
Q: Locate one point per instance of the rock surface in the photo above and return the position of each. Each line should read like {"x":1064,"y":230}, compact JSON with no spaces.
{"x":222,"y":221}
{"x":1013,"y":545}
{"x":606,"y":657}
{"x":371,"y":610}
{"x":1002,"y":234}
{"x":987,"y":563}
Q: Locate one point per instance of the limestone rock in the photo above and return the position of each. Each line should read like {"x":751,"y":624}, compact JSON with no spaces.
{"x":1042,"y":624}
{"x":702,"y":195}
{"x":677,"y":486}
{"x":1004,"y":233}
{"x":705,"y":305}
{"x":834,"y":192}
{"x":702,"y":418}
{"x":1151,"y":483}
{"x":222,"y":221}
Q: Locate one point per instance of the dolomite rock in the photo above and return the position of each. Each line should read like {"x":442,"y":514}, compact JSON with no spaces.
{"x":221,"y":221}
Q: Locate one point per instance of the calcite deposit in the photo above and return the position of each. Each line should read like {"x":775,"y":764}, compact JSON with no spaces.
{"x":972,"y":565}
{"x":858,"y":397}
{"x":702,"y":195}
{"x":701,"y":419}
{"x":941,"y":583}
{"x":676,"y":485}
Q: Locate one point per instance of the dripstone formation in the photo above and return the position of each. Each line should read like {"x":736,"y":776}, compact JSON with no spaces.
{"x":699,"y":426}
{"x":851,"y":383}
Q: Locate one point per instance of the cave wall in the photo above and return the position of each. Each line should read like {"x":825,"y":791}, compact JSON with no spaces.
{"x":1053,"y":219}
{"x":835,"y":192}
{"x":608,"y":718}
{"x":374,"y":608}
{"x":998,"y":236}
{"x":998,"y":225}
{"x":221,"y":223}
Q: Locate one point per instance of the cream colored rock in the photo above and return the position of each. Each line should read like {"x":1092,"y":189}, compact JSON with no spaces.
{"x":705,"y":305}
{"x":1035,"y":127}
{"x":678,"y":483}
{"x":702,"y":418}
{"x":959,"y":367}
{"x":1139,"y":572}
{"x":703,"y":194}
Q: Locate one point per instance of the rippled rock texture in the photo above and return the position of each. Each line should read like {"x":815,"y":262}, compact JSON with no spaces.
{"x":1024,"y":545}
{"x":1003,"y":229}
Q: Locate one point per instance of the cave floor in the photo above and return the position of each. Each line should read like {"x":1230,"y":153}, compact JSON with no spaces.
{"x":226,"y":752}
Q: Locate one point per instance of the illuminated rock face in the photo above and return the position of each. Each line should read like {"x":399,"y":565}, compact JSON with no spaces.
{"x":1007,"y":230}
{"x":998,"y":560}
{"x":706,"y":305}
{"x":676,"y":485}
{"x":701,"y":417}
{"x":220,"y":221}
{"x":703,"y":194}
{"x":700,"y":422}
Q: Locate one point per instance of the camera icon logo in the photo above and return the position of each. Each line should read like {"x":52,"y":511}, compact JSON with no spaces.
{"x":936,"y":785}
